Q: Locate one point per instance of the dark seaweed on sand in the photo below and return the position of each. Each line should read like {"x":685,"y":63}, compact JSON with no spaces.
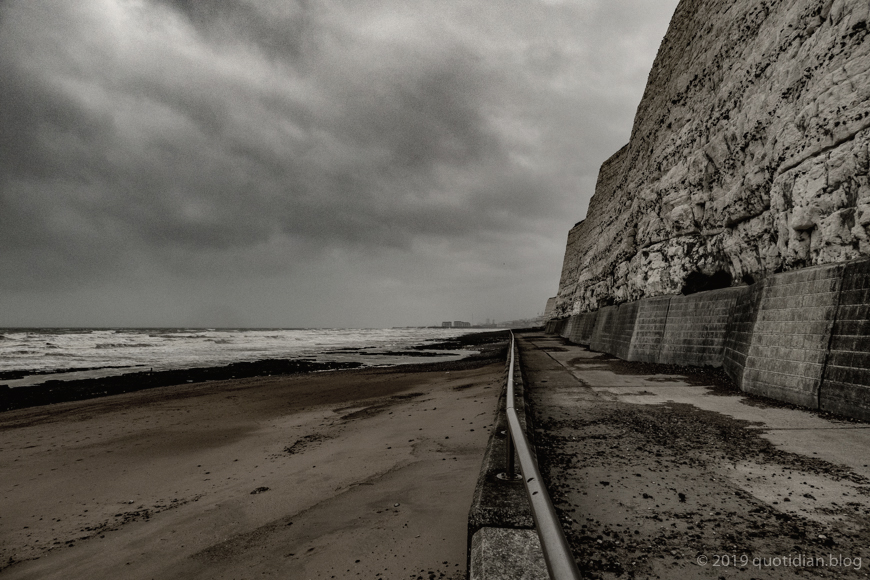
{"x":61,"y":391}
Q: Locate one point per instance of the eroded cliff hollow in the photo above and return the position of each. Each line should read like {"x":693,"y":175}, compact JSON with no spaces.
{"x":748,"y":156}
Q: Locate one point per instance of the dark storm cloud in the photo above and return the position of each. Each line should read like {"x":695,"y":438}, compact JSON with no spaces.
{"x":241,"y":136}
{"x":283,"y":36}
{"x":32,"y":115}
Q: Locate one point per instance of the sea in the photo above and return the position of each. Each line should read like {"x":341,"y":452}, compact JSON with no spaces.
{"x":32,"y":356}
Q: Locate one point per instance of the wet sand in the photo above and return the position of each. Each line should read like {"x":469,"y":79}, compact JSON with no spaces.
{"x":327,"y":475}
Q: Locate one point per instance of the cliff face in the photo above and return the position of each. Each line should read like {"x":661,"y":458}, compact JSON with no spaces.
{"x":748,"y":156}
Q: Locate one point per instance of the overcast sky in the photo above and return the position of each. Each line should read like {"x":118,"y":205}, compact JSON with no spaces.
{"x":304,"y":163}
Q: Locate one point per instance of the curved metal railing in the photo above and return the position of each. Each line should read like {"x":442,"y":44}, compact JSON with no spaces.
{"x":557,"y":554}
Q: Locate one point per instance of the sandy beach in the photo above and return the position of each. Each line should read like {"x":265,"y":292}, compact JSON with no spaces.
{"x":342,"y":474}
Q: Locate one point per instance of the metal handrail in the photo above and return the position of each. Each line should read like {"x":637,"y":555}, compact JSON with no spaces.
{"x":557,"y":554}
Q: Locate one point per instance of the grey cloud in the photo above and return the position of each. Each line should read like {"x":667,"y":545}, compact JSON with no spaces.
{"x":31,"y":116}
{"x":435,"y":117}
{"x":267,"y":137}
{"x":431,"y":120}
{"x":231,"y":20}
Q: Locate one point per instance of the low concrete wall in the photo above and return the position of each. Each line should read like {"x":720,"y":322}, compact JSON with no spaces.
{"x":499,"y":504}
{"x":802,"y":336}
{"x":507,"y":554}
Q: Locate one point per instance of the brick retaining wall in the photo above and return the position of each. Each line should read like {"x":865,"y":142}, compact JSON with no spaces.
{"x":791,"y":335}
{"x":584,"y":325}
{"x":801,"y":336}
{"x":568,"y":327}
{"x":738,"y":333}
{"x":695,"y":329}
{"x":652,"y":316}
{"x":599,"y":340}
{"x":846,"y":385}
{"x":614,"y":329}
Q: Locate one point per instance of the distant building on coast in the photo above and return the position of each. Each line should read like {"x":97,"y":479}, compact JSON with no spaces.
{"x":447,"y":324}
{"x":460,"y":324}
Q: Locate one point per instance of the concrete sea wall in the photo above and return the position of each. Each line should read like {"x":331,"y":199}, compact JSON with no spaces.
{"x":694,"y":331}
{"x":614,"y":329}
{"x":790,"y":337}
{"x":847,"y":369}
{"x":801,"y":336}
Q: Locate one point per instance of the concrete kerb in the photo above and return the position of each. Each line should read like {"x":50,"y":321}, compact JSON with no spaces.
{"x":505,"y":553}
{"x":502,"y":541}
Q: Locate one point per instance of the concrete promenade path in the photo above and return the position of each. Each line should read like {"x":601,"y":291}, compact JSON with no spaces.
{"x":660,"y":471}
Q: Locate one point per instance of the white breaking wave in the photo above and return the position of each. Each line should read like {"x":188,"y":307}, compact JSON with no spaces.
{"x":88,"y":352}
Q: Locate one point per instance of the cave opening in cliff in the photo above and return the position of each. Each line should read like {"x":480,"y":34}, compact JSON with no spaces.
{"x":699,"y":282}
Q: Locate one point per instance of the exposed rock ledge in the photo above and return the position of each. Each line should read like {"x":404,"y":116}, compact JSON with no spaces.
{"x":748,"y":156}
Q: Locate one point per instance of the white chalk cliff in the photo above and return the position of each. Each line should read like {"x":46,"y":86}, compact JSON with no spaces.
{"x":748,"y":155}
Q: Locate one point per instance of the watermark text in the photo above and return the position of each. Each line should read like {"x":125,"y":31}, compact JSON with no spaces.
{"x":788,"y":561}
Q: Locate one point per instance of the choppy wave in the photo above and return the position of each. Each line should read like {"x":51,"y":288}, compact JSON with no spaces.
{"x":124,"y":345}
{"x":36,"y":352}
